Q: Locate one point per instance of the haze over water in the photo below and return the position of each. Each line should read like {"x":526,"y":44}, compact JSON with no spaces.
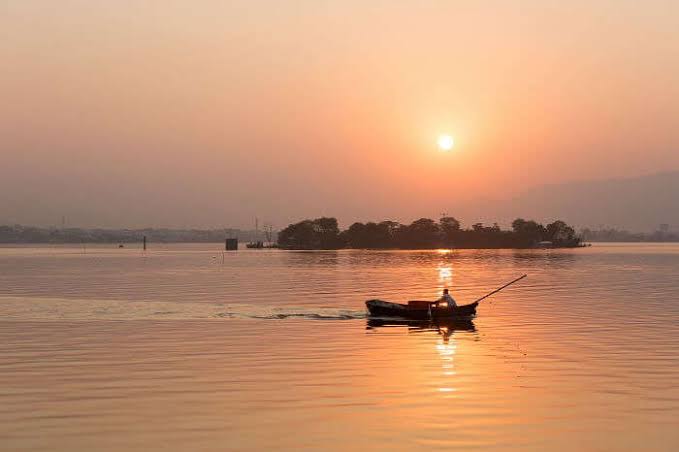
{"x":182,"y":347}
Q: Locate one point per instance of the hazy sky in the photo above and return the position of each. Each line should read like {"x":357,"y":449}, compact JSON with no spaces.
{"x":208,"y":113}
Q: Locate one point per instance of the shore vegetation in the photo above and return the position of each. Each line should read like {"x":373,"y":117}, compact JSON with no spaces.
{"x":425,"y":233}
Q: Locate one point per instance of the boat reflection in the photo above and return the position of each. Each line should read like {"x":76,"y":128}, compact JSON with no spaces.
{"x":444,"y":327}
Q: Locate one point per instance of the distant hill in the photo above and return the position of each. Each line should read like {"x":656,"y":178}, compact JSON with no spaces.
{"x":636,"y":204}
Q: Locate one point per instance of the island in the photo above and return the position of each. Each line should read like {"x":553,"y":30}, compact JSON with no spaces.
{"x":324,"y":234}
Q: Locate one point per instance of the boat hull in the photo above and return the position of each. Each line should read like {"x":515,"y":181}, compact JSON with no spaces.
{"x":380,"y":308}
{"x":446,"y":326}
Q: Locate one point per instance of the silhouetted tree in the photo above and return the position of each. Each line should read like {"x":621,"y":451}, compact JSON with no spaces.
{"x":371,"y":235}
{"x":327,"y":232}
{"x":423,"y":233}
{"x":560,"y":234}
{"x":450,"y":231}
{"x":321,"y":233}
{"x":528,"y":233}
{"x":298,"y":236}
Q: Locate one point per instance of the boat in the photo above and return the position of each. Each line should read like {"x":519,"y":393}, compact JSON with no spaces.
{"x":420,"y":310}
{"x":259,"y":244}
{"x":428,"y":310}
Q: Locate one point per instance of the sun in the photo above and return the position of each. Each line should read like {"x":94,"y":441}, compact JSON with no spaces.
{"x":446,"y":142}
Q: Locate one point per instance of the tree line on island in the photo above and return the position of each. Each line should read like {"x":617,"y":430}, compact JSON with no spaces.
{"x":324,"y":233}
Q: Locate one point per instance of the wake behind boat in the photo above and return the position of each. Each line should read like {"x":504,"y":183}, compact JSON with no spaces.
{"x":423,"y":310}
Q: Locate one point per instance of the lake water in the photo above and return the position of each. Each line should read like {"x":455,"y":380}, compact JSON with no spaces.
{"x":184,"y":347}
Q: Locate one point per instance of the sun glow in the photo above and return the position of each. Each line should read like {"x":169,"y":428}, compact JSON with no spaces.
{"x":446,"y":142}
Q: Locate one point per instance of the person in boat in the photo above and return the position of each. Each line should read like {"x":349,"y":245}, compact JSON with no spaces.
{"x":447,"y":298}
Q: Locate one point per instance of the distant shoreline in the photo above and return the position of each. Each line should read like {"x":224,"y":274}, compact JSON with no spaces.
{"x":31,"y":235}
{"x":220,"y":245}
{"x":19,"y":234}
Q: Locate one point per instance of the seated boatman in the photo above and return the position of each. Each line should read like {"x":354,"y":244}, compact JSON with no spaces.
{"x":446,"y":298}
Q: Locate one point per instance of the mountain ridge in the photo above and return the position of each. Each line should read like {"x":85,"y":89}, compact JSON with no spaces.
{"x":639,"y":203}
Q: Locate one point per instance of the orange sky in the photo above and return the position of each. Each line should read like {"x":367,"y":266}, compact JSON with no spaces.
{"x":177,"y":113}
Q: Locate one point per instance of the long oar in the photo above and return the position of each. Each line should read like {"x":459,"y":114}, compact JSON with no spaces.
{"x":497,"y":290}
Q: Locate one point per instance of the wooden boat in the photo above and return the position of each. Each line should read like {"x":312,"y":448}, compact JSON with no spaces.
{"x":428,"y":310}
{"x":420,"y":310}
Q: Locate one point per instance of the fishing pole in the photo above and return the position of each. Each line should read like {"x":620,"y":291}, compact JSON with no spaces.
{"x":497,"y":290}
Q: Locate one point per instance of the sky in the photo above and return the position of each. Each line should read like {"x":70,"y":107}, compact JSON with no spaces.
{"x":211,"y":113}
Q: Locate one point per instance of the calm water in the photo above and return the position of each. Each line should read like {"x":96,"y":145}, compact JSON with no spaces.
{"x":184,"y":348}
